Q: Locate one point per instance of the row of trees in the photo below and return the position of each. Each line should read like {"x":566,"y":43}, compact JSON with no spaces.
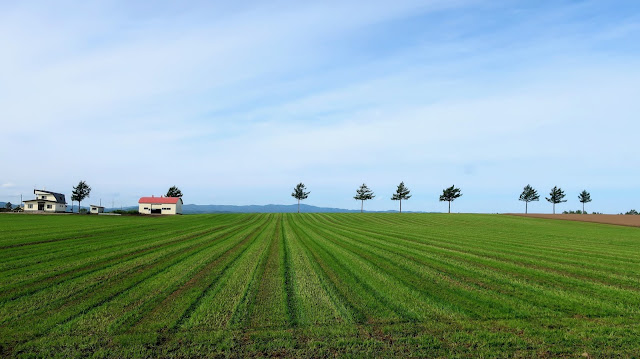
{"x":364,"y":193}
{"x":529,"y":194}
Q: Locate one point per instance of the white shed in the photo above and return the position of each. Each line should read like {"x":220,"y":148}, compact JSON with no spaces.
{"x":96,"y":209}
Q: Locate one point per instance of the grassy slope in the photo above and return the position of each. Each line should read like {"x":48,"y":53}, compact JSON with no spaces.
{"x":317,"y":284}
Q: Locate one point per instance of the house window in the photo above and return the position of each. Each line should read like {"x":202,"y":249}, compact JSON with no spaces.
{"x":30,"y":206}
{"x":49,"y":206}
{"x":43,"y":197}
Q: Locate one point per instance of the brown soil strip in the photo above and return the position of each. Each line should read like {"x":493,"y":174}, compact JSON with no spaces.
{"x":616,"y":219}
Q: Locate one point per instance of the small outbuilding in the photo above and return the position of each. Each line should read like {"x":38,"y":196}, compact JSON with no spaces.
{"x":160,"y":205}
{"x":46,"y":201}
{"x":96,"y":209}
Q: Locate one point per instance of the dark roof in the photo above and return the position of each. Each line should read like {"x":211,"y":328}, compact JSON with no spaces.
{"x":95,"y":205}
{"x":59,"y":196}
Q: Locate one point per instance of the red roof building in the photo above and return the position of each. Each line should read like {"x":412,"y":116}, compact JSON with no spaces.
{"x":160,"y":205}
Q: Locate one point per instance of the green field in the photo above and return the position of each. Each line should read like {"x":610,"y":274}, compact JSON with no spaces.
{"x":293,"y":285}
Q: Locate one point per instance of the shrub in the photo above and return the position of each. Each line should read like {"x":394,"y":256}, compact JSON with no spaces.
{"x":128,"y":212}
{"x":575,"y":212}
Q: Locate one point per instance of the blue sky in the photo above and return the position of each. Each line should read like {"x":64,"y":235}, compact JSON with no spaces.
{"x":236,"y":103}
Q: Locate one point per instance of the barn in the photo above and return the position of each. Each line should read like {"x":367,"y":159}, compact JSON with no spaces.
{"x":160,"y":205}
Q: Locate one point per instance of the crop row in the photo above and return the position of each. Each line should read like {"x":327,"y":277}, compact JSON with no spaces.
{"x":156,"y":279}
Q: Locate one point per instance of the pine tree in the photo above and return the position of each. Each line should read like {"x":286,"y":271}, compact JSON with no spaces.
{"x":584,"y":197}
{"x":299,"y":193}
{"x":556,"y":196}
{"x":528,"y":195}
{"x":80,"y":192}
{"x":402,"y":192}
{"x":362,"y":194}
{"x":450,"y":194}
{"x":174,"y":192}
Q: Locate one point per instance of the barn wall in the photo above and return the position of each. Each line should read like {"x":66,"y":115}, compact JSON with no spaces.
{"x":166,"y":208}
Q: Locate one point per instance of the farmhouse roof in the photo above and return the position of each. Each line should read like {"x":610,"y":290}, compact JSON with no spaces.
{"x":168,"y":200}
{"x":95,"y":205}
{"x":59,"y":196}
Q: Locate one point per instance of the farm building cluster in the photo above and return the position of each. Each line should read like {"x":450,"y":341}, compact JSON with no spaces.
{"x":53,"y":202}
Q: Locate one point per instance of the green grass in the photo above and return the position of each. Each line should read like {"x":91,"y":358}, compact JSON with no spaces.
{"x":319,"y":285}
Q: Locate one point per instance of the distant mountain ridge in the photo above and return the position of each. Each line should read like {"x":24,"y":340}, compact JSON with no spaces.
{"x":269,"y":208}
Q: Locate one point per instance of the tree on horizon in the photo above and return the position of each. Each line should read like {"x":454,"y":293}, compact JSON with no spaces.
{"x":80,"y":192}
{"x":584,"y":197}
{"x":528,"y":195}
{"x":450,"y":194}
{"x":299,"y":193}
{"x":556,"y":196}
{"x":362,"y":194}
{"x":8,"y":206}
{"x":174,"y":191}
{"x":402,"y":192}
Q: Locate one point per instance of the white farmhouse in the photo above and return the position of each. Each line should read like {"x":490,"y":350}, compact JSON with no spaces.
{"x":160,"y":205}
{"x":46,"y":201}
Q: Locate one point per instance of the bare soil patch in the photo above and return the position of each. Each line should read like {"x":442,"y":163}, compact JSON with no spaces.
{"x":617,"y":219}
